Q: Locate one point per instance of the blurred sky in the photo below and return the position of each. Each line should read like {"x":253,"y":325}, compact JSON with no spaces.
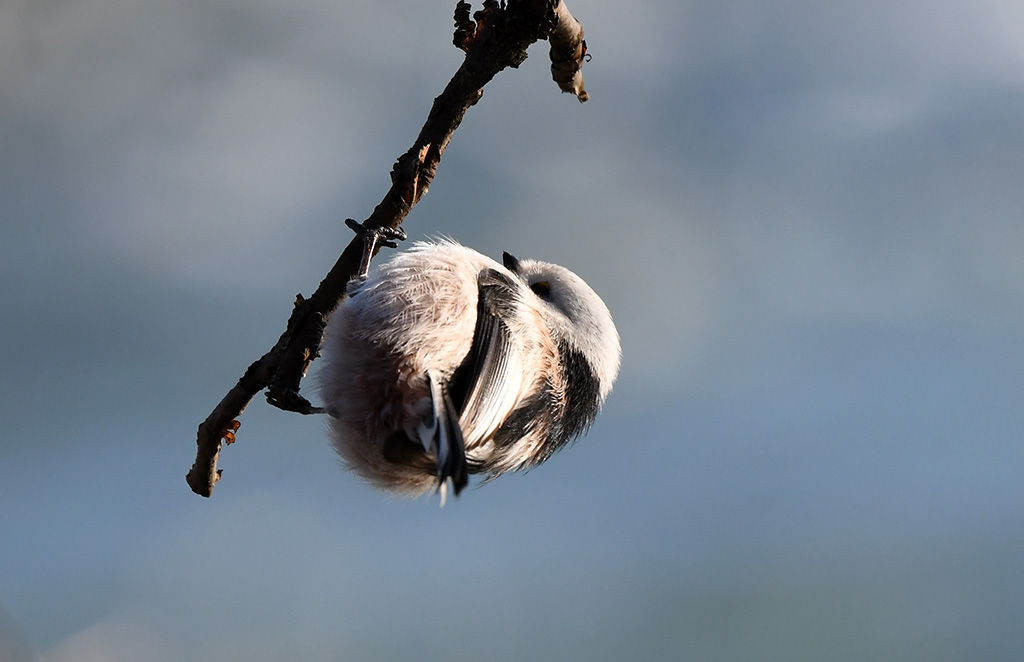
{"x":807,"y":219}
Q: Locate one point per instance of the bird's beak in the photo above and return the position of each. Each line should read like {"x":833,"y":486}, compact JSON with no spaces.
{"x":511,"y":262}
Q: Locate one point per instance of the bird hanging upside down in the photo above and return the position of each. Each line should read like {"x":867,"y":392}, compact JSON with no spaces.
{"x":443,"y":363}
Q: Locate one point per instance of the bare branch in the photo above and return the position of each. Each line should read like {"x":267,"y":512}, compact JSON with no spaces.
{"x":496,"y":37}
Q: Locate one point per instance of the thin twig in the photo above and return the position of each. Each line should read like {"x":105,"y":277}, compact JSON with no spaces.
{"x":495,"y":38}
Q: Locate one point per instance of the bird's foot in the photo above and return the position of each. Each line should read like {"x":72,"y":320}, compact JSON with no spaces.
{"x":289,"y":400}
{"x":373,"y":239}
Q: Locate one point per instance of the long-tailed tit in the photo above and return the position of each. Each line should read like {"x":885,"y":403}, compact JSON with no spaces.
{"x":444,"y":363}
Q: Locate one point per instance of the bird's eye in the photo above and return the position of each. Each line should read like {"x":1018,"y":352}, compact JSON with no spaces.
{"x":541,"y":289}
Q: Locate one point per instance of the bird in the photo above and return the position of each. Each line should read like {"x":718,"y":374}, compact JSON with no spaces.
{"x":443,"y":363}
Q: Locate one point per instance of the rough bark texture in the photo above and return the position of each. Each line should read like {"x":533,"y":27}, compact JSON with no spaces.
{"x":494,"y":38}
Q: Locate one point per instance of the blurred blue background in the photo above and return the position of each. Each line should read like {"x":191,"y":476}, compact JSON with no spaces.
{"x":807,"y":219}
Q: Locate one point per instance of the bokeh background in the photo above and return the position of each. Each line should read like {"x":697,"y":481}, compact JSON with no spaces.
{"x":807,"y":219}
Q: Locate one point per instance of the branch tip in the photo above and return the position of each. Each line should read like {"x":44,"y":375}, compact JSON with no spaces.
{"x":465,"y":27}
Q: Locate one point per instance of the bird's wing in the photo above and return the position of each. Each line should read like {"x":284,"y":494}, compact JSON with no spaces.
{"x":468,"y":408}
{"x":485,"y":388}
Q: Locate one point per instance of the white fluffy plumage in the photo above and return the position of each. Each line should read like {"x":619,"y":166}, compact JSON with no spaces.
{"x":443,"y":363}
